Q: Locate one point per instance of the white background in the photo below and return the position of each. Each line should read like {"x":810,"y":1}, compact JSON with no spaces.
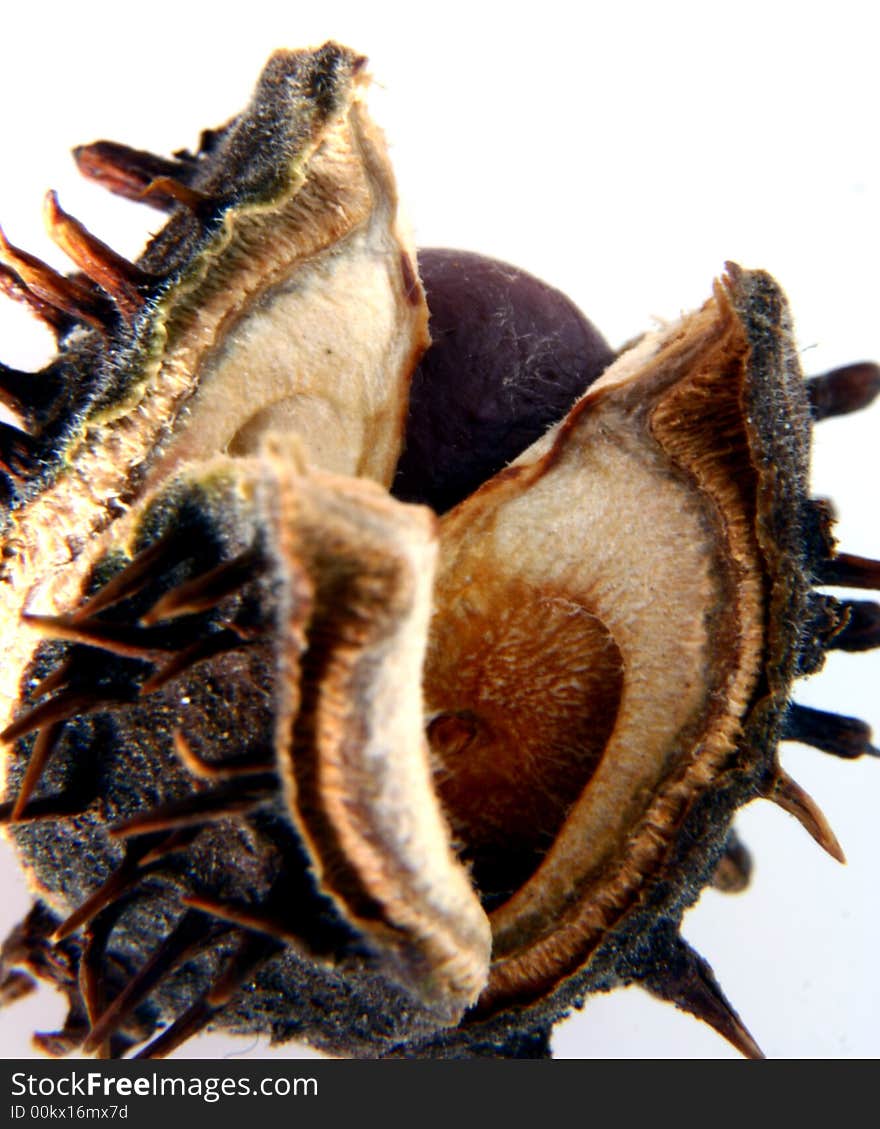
{"x":623,"y":156}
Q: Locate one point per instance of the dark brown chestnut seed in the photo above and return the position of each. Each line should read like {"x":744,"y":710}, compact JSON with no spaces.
{"x":509,"y":355}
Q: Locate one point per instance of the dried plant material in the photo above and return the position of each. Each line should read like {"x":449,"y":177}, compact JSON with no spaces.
{"x":288,"y":754}
{"x":353,"y":755}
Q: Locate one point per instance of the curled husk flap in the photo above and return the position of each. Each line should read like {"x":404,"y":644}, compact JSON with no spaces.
{"x":287,"y":303}
{"x":616,"y":631}
{"x":352,"y":753}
